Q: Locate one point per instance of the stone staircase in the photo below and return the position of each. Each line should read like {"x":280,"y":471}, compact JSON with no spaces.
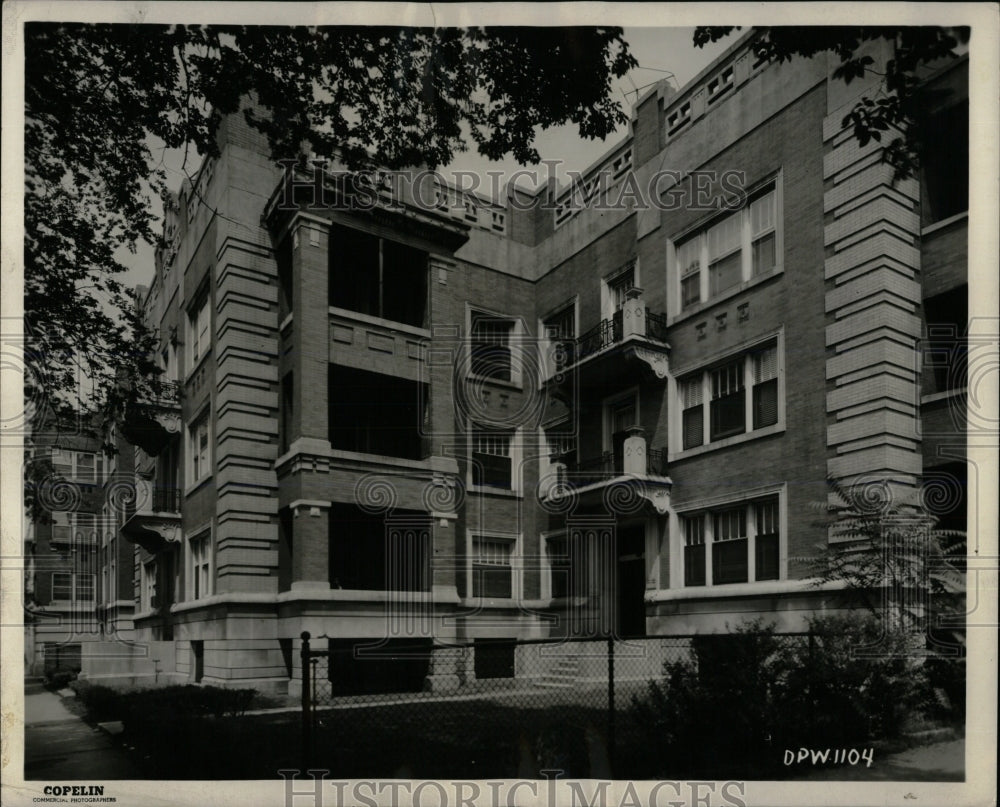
{"x":563,"y":674}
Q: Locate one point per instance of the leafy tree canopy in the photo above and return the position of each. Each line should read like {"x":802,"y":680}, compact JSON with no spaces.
{"x":100,"y":99}
{"x":897,"y":108}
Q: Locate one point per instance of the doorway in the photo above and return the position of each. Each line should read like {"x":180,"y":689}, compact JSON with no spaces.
{"x":631,"y":582}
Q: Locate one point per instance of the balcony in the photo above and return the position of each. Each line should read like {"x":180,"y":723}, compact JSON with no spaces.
{"x":156,"y":521}
{"x":154,"y":420}
{"x":635,"y":471}
{"x":612,"y":351}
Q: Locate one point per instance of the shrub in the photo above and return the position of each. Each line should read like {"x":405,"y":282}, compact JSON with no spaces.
{"x":102,"y":703}
{"x":731,"y":709}
{"x":59,"y":677}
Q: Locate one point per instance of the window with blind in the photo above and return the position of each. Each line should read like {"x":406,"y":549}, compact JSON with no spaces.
{"x":765,"y":387}
{"x":730,"y":250}
{"x":728,"y":416}
{"x":491,"y":347}
{"x":199,"y":329}
{"x":694,"y":551}
{"x":199,"y":449}
{"x":729,"y":546}
{"x":767,"y":549}
{"x":491,"y":459}
{"x":492,"y":570}
{"x":742,"y":542}
{"x":693,"y":418}
{"x":730,"y":410}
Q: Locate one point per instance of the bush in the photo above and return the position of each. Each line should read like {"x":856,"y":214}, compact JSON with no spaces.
{"x":731,"y":709}
{"x":102,"y":703}
{"x":59,"y":677}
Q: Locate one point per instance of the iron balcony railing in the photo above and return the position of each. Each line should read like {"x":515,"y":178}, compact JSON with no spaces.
{"x":605,"y":334}
{"x":165,"y":500}
{"x":608,"y":465}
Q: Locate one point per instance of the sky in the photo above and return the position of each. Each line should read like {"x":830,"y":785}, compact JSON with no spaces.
{"x":660,"y":51}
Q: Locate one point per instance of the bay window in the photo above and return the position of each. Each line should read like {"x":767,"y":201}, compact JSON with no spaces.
{"x":731,"y":411}
{"x":729,"y":250}
{"x":732,"y":543}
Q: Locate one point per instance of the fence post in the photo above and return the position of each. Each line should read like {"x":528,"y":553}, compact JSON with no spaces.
{"x":306,"y":716}
{"x":611,"y":701}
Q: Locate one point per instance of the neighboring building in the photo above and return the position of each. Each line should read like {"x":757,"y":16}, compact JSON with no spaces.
{"x":462,"y":421}
{"x":62,"y":547}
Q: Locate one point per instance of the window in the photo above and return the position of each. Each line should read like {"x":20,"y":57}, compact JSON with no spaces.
{"x":62,"y":586}
{"x":492,"y":571}
{"x":287,"y":402}
{"x":147,"y":587}
{"x":765,"y":387}
{"x":491,"y":459}
{"x":559,"y":566}
{"x":734,"y":248}
{"x":728,"y":416}
{"x":945,"y":352}
{"x":693,"y":419}
{"x":200,"y":449}
{"x":199,"y":327}
{"x":67,"y":586}
{"x":725,"y":260}
{"x":694,"y":551}
{"x":559,"y":333}
{"x":73,"y":529}
{"x":377,"y":277}
{"x":79,"y":466}
{"x":731,"y":412}
{"x":744,"y":541}
{"x":491,"y":347}
{"x":619,"y":286}
{"x":729,"y":546}
{"x":199,"y":571}
{"x":944,"y":163}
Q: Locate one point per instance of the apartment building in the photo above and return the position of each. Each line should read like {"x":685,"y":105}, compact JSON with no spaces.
{"x":69,"y":546}
{"x":440,"y":418}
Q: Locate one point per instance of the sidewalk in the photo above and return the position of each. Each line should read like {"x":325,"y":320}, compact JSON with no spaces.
{"x":59,"y":746}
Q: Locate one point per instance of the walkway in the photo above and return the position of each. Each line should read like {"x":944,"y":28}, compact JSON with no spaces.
{"x":60,"y":747}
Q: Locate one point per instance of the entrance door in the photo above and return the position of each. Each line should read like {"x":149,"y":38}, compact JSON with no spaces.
{"x":631,"y":583}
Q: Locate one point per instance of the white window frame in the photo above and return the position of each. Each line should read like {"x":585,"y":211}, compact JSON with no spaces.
{"x":513,"y":540}
{"x":608,"y":308}
{"x":147,"y":585}
{"x":204,"y":464}
{"x":199,"y":328}
{"x":708,"y":508}
{"x":607,"y":415}
{"x":677,"y":385}
{"x":676,"y":273}
{"x":547,"y":362}
{"x":95,"y":475}
{"x":516,"y":453}
{"x":75,"y":521}
{"x":200,"y":559}
{"x":547,"y":562}
{"x":515,"y":342}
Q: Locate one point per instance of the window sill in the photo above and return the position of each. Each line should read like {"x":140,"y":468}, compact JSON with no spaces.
{"x":768,"y":431}
{"x":197,"y":366}
{"x":948,"y":394}
{"x":387,"y":324}
{"x":489,"y":602}
{"x":196,"y":485}
{"x":763,"y":588}
{"x":515,"y":385}
{"x":735,"y":291}
{"x":930,"y":229}
{"x":486,"y":490}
